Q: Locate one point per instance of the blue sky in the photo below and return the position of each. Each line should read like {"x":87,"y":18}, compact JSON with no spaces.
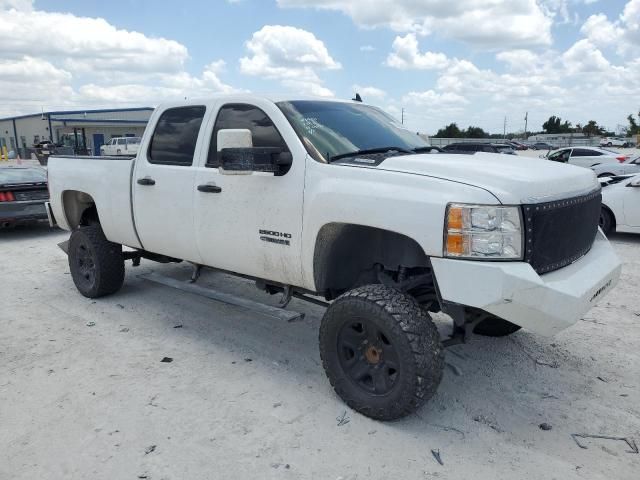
{"x":474,"y":62}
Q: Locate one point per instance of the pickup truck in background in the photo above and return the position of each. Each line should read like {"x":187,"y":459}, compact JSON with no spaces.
{"x":126,"y":146}
{"x":336,"y":199}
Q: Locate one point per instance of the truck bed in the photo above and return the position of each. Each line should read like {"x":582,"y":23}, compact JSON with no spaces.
{"x":107,"y":180}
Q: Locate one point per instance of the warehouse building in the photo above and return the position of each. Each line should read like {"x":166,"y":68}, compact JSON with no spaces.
{"x":84,"y":131}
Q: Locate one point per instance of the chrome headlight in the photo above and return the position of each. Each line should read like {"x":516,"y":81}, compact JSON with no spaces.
{"x":483,"y":232}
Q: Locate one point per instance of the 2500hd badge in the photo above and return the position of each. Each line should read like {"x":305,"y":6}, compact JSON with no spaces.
{"x":275,"y":237}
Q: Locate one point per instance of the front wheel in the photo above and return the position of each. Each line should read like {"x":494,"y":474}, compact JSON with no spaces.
{"x":96,"y":264}
{"x":381,"y":352}
{"x":607,"y":222}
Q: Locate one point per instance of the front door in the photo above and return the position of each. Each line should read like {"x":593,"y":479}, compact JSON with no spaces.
{"x":98,"y":141}
{"x":252,"y":224}
{"x":163,"y":184}
{"x":632,"y":205}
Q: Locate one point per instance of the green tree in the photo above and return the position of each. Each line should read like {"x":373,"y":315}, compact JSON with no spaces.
{"x":475,"y":132}
{"x":450,"y":131}
{"x":633,"y":125}
{"x":565,"y":127}
{"x":592,"y":129}
{"x":552,"y":125}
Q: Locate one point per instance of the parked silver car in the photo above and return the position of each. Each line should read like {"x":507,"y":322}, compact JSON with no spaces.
{"x":629,"y":166}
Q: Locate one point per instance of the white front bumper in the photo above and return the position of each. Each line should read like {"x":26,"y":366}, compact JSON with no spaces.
{"x":544,"y":304}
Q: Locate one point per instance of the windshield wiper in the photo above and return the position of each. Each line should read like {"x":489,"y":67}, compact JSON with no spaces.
{"x":367,"y":151}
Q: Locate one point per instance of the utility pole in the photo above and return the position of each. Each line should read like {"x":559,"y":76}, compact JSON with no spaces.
{"x":526,"y":119}
{"x":402,"y":119}
{"x":504,"y":129}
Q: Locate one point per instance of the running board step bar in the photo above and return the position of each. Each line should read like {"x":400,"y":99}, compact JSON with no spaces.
{"x":262,"y":308}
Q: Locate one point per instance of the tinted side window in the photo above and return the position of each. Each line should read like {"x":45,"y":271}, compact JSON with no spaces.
{"x":174,"y":139}
{"x":263,"y":131}
{"x":580,"y":152}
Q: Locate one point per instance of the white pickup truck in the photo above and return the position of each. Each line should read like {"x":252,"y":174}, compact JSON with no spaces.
{"x":335,"y":199}
{"x":125,"y":146}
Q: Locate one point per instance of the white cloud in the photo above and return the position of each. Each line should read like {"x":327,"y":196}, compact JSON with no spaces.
{"x":405,"y":55}
{"x":291,"y":55}
{"x":623,"y":34}
{"x":367,"y":48}
{"x":89,"y":43}
{"x":369,"y":92}
{"x":28,"y":83}
{"x":433,"y":99}
{"x":600,"y":30}
{"x":55,"y":60}
{"x":484,"y":23}
{"x":584,"y":57}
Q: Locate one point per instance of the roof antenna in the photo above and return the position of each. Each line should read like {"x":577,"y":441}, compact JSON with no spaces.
{"x":357,"y":98}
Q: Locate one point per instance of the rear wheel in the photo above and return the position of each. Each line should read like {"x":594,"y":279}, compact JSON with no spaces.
{"x":607,"y":222}
{"x":96,"y":264}
{"x":381,"y":352}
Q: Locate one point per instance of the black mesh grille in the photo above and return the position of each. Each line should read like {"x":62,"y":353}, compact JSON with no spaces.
{"x":39,"y":194}
{"x":560,"y":232}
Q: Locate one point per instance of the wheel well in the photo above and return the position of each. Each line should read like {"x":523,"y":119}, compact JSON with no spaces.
{"x":348,"y":255}
{"x":79,"y":208}
{"x":613,"y":215}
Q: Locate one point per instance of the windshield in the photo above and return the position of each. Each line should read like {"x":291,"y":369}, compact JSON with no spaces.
{"x":330,"y":129}
{"x":22,"y":175}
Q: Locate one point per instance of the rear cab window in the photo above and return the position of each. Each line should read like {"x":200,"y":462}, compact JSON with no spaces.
{"x":175,"y":136}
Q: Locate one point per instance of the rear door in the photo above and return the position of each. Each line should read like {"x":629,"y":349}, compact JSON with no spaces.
{"x":585,"y":157}
{"x":163,"y":183}
{"x":252,"y":224}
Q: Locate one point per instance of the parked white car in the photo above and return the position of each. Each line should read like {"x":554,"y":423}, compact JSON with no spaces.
{"x":335,"y":199}
{"x":615,"y":142}
{"x":621,"y":205}
{"x":125,"y":146}
{"x":585,"y":156}
{"x":628,"y":167}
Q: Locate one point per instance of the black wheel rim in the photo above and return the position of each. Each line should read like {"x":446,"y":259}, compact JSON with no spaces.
{"x":86,"y":267}
{"x":368,"y":357}
{"x":603,"y":221}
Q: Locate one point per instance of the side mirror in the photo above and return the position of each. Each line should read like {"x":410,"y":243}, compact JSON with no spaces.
{"x":238,"y":156}
{"x":248,"y":160}
{"x":233,"y":139}
{"x":634,"y":183}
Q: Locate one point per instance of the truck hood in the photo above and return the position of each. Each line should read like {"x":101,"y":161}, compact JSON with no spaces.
{"x":511,"y":179}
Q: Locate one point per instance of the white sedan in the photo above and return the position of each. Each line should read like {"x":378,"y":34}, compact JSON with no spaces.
{"x":628,"y":167}
{"x":621,"y":204}
{"x":585,"y":156}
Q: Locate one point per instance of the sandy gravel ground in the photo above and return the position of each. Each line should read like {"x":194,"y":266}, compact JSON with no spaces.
{"x":246,"y":397}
